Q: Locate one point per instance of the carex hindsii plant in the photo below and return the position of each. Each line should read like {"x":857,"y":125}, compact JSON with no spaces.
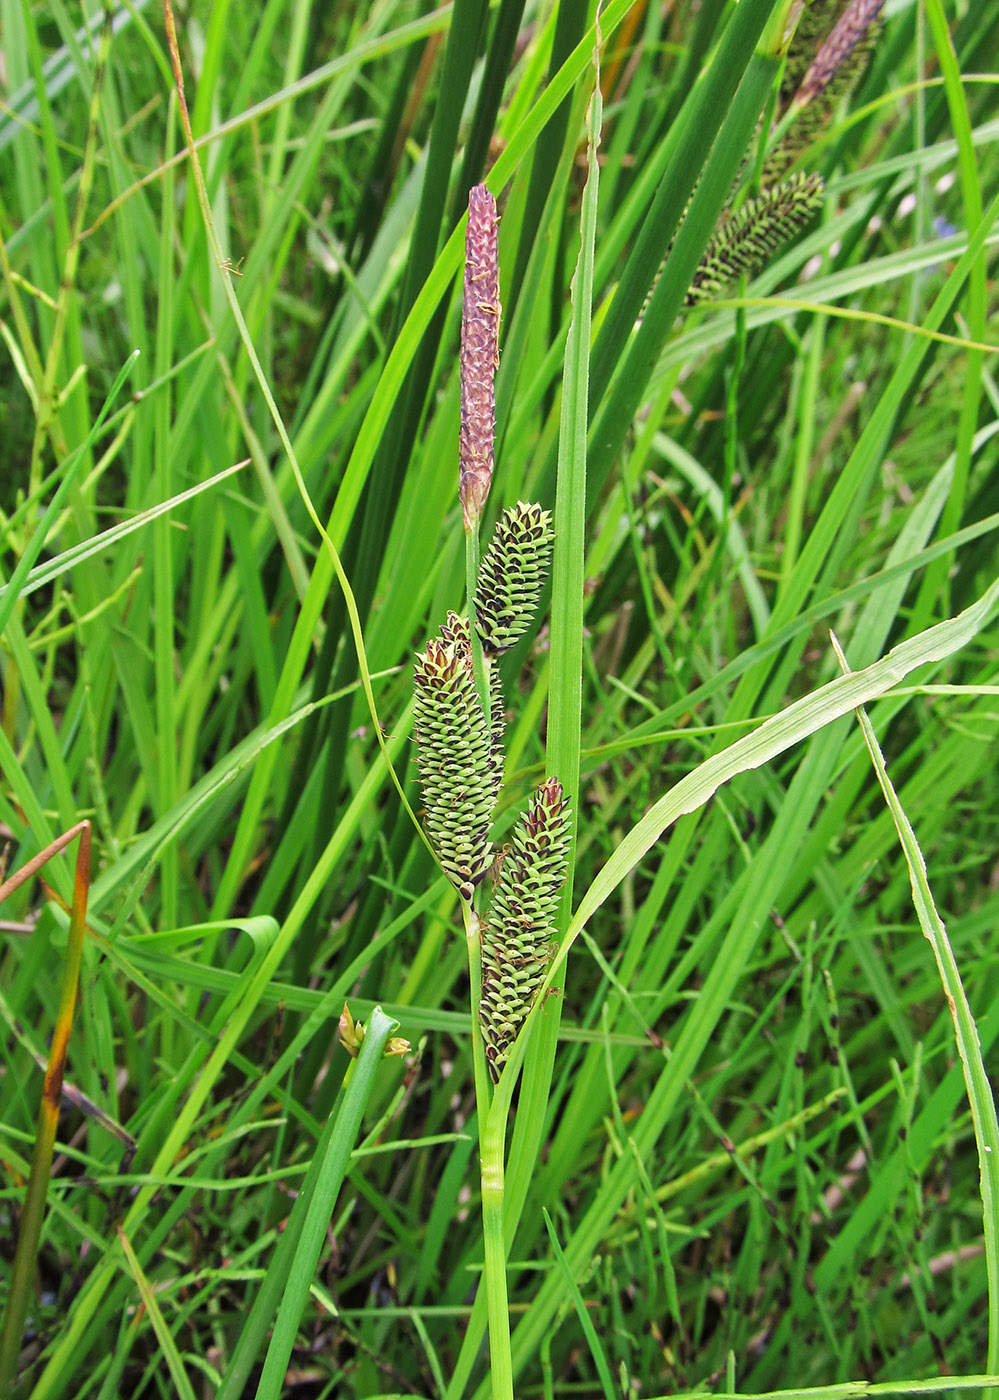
{"x":458,"y":714}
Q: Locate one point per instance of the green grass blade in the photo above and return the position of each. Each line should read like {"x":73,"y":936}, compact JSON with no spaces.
{"x":983,"y":1109}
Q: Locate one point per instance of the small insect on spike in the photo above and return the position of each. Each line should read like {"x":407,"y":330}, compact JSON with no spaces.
{"x":480,"y":315}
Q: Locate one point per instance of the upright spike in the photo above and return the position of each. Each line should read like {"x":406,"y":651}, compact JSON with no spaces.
{"x":456,"y":761}
{"x":511,"y":575}
{"x":480,"y":315}
{"x":517,"y":935}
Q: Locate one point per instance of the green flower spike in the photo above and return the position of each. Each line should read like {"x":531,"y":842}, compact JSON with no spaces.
{"x":455,"y":752}
{"x":749,"y":239}
{"x":456,"y":630}
{"x":511,"y":575}
{"x":517,"y":936}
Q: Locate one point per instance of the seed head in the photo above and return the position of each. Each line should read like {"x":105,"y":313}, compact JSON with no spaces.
{"x":456,"y":630}
{"x":749,"y":239}
{"x":850,"y":40}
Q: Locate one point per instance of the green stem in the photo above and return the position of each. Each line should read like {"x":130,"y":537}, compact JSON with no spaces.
{"x":491,"y":1146}
{"x":473,"y":940}
{"x":491,"y":1134}
{"x":471,"y":580}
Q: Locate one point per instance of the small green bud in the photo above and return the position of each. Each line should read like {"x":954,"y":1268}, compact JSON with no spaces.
{"x":517,"y":936}
{"x":511,"y":575}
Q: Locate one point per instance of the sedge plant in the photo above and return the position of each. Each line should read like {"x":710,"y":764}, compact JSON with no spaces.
{"x":458,"y":722}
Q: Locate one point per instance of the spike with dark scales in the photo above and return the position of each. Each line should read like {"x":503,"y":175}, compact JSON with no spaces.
{"x":457,"y":762}
{"x":749,"y":238}
{"x":511,"y":575}
{"x":517,"y":935}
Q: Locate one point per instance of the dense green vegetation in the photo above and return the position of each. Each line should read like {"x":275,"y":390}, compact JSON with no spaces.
{"x":749,"y":1141}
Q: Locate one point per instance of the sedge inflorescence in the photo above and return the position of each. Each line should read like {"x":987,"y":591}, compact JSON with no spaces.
{"x":460,"y":757}
{"x":480,"y":314}
{"x":458,"y":720}
{"x":517,"y":935}
{"x":511,"y":575}
{"x":457,"y":767}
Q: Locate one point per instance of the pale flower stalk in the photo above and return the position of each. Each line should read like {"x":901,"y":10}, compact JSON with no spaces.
{"x":479,"y":355}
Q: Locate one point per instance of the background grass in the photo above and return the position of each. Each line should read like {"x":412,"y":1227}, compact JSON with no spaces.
{"x":745,"y":1114}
